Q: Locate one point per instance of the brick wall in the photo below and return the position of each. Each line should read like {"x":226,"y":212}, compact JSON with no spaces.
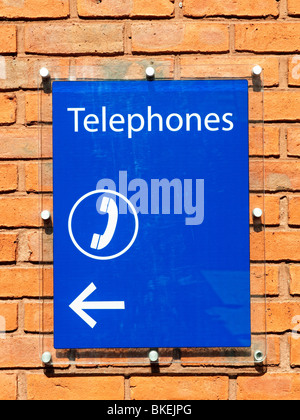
{"x":34,"y":33}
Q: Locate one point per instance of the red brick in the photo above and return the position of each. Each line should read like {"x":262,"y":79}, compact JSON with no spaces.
{"x":264,"y":280}
{"x":268,"y":37}
{"x":41,"y":387}
{"x":179,"y":388}
{"x":240,"y":8}
{"x":294,"y":279}
{"x":293,"y":7}
{"x":38,"y":176}
{"x":20,"y":351}
{"x":229,"y":66}
{"x":8,"y":386}
{"x":8,"y":317}
{"x":180,"y":37}
{"x":17,"y":282}
{"x":8,"y":39}
{"x":8,"y":108}
{"x":294,"y":71}
{"x":279,"y":246}
{"x":83,"y":38}
{"x":280,"y":316}
{"x":155,"y":9}
{"x":8,"y":177}
{"x":270,"y":386}
{"x":20,"y":211}
{"x":270,"y":205}
{"x":264,"y":141}
{"x":8,"y":246}
{"x":294,"y":344}
{"x":38,"y":317}
{"x":280,"y":175}
{"x":38,"y":107}
{"x":294,"y":210}
{"x":282,"y":106}
{"x":123,"y":68}
{"x":34,"y":9}
{"x":293,"y":141}
{"x":274,"y":317}
{"x":23,"y":143}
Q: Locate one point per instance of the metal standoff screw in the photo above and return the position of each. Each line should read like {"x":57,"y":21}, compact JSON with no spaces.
{"x":257,"y":212}
{"x":150,"y":73}
{"x":256,"y":71}
{"x":153,"y":356}
{"x":258,"y":356}
{"x":45,"y":215}
{"x":44,"y":73}
{"x":46,"y":357}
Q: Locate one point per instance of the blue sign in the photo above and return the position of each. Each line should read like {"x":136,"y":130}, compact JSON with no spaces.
{"x":151,"y":214}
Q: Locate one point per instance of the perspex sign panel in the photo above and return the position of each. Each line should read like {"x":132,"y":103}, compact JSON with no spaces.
{"x":151,"y":214}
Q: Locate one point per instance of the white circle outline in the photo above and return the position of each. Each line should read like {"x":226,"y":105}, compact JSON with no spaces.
{"x":110,"y":257}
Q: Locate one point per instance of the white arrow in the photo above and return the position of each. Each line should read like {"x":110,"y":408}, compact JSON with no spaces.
{"x":79,"y":304}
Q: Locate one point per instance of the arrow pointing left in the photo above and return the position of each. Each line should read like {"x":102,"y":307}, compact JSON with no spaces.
{"x":79,"y":304}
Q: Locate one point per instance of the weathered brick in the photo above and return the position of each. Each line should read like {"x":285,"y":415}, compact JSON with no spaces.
{"x":294,"y":279}
{"x":8,"y":386}
{"x":8,"y":108}
{"x":282,"y":106}
{"x":8,"y":39}
{"x":123,"y":68}
{"x":8,"y":317}
{"x":281,"y":175}
{"x":41,"y":387}
{"x":117,"y":8}
{"x":179,"y":37}
{"x":270,"y":205}
{"x":279,"y":246}
{"x":24,"y":143}
{"x":240,"y":8}
{"x":38,"y":317}
{"x":264,"y":280}
{"x":270,"y":386}
{"x":8,"y":246}
{"x":20,"y":72}
{"x":35,"y":239}
{"x":268,"y":37}
{"x":294,"y":71}
{"x":293,"y":7}
{"x":293,"y":141}
{"x":294,"y":210}
{"x":18,"y":282}
{"x":229,"y":66}
{"x":34,"y":9}
{"x":83,"y":38}
{"x":179,"y":388}
{"x":8,"y":177}
{"x":200,"y":357}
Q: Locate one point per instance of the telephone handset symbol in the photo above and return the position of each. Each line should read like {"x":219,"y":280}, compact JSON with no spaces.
{"x":108,"y":205}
